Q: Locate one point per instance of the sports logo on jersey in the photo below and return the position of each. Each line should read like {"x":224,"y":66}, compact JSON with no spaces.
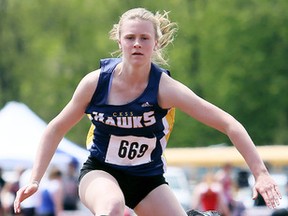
{"x":146,"y":104}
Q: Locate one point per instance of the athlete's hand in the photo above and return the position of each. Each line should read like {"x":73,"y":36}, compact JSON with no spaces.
{"x":23,"y":193}
{"x":268,"y":189}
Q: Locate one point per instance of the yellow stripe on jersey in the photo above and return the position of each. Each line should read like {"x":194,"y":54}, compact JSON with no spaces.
{"x":170,"y":117}
{"x":89,"y":138}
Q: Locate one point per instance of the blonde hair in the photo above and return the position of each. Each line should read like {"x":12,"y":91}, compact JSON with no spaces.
{"x":164,"y":30}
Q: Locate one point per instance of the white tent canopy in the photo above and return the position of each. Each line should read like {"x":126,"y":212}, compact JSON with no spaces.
{"x":20,"y":132}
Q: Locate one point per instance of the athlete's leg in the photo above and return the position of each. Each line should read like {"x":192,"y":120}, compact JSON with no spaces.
{"x":100,"y":192}
{"x":161,"y":202}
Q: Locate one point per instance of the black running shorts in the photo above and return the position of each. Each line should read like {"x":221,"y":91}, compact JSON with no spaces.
{"x":134,"y":188}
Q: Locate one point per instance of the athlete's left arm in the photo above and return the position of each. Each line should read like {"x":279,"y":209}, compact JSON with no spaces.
{"x":174,"y":94}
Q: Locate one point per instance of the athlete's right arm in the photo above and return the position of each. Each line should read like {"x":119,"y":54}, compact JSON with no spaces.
{"x":55,"y":131}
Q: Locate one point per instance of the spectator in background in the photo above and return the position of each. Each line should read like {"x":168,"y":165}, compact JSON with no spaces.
{"x":224,"y":176}
{"x":51,"y":195}
{"x":70,"y":180}
{"x":208,"y":196}
{"x":8,"y":192}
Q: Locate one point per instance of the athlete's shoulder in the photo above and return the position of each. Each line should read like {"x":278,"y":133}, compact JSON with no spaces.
{"x":92,"y":77}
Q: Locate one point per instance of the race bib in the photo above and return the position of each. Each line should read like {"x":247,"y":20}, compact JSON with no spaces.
{"x":129,"y":150}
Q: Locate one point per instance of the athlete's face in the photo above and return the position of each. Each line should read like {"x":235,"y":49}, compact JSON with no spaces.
{"x":137,"y":41}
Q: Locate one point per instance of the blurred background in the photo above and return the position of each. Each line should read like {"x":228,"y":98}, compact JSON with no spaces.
{"x":232,"y":53}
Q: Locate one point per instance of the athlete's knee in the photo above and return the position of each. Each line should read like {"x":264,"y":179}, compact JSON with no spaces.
{"x":106,"y":205}
{"x":116,"y":206}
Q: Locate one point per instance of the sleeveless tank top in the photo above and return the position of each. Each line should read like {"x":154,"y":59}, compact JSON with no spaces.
{"x":133,"y":136}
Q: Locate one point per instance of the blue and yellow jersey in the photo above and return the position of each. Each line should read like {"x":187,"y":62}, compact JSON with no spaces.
{"x":130,"y":137}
